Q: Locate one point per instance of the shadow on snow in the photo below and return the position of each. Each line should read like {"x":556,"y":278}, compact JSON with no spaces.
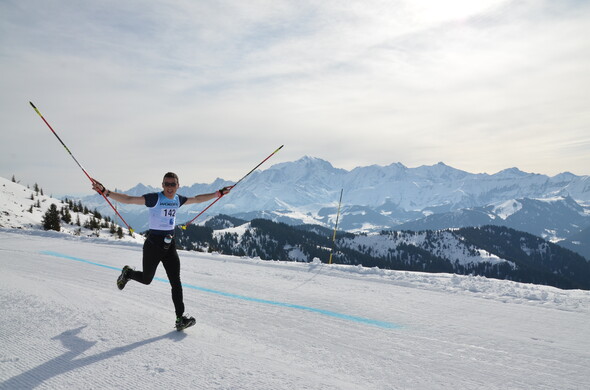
{"x":66,"y":362}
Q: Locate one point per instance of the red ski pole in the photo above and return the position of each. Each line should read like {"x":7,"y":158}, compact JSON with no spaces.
{"x":82,"y":168}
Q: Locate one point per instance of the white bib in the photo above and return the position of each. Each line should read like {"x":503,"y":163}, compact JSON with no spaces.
{"x":163,"y":214}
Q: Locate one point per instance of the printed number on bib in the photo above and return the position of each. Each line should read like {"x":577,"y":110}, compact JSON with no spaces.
{"x":169,"y":212}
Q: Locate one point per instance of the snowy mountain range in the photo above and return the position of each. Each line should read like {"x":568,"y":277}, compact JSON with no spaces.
{"x":504,"y":254}
{"x":377,"y":198}
{"x":548,"y":218}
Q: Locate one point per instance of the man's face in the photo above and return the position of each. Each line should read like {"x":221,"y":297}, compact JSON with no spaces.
{"x":170,"y":185}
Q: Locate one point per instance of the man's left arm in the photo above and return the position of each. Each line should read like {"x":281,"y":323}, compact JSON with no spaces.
{"x":205,"y":197}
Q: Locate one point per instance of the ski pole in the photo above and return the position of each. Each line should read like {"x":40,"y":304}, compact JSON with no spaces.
{"x":82,"y":168}
{"x":230,"y":187}
{"x":335,"y":227}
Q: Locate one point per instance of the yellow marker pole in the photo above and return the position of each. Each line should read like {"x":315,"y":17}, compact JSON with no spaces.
{"x":335,"y":227}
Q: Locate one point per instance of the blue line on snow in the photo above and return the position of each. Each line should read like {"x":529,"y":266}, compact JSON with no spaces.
{"x":380,"y":324}
{"x":56,"y":254}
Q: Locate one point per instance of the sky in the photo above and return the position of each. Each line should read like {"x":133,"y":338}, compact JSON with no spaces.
{"x":209,"y":89}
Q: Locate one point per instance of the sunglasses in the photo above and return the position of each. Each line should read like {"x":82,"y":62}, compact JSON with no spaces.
{"x":169,"y":184}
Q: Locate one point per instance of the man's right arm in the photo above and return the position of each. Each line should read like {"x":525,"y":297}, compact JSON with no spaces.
{"x":119,"y":197}
{"x":124,"y":198}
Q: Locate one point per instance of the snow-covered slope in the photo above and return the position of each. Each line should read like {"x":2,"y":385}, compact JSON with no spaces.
{"x":275,"y":325}
{"x":23,"y":207}
{"x":447,"y":246}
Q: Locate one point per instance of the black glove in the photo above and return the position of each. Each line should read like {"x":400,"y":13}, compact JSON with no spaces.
{"x":98,"y":187}
{"x":223,"y":191}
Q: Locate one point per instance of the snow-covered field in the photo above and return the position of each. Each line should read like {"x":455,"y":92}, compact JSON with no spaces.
{"x":275,"y":325}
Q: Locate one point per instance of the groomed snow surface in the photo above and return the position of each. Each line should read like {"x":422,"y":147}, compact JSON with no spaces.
{"x":275,"y":325}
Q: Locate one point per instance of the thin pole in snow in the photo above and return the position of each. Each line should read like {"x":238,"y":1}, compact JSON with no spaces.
{"x":335,"y":227}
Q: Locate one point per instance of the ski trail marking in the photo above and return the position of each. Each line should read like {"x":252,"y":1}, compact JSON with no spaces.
{"x":362,"y":320}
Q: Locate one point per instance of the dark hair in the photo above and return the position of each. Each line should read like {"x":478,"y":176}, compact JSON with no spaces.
{"x":171,"y":175}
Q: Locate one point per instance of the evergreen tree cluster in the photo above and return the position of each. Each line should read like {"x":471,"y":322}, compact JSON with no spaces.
{"x":537,"y":261}
{"x":53,"y":218}
{"x":194,"y":238}
{"x":50,"y":219}
{"x":530,"y":258}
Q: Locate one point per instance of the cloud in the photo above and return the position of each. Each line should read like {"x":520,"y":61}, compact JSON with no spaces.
{"x":204,"y":88}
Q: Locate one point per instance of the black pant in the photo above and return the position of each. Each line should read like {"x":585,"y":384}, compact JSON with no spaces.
{"x":154,"y":251}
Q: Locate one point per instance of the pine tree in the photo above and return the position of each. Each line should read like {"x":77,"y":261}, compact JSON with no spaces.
{"x":51,"y":219}
{"x":66,"y":216}
{"x":92,"y":223}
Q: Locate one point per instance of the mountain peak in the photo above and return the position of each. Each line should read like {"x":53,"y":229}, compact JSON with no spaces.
{"x":312,"y":160}
{"x":511,"y":172}
{"x":305,"y":163}
{"x":564,"y":176}
{"x":397,"y":165}
{"x":141,"y":189}
{"x":440,"y":170}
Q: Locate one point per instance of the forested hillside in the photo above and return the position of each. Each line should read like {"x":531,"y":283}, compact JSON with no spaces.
{"x":491,"y":251}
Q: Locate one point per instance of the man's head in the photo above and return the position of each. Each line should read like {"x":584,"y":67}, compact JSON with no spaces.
{"x":170,"y":177}
{"x":170,"y":184}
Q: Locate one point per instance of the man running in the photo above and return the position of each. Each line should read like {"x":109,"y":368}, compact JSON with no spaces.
{"x":159,"y":245}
